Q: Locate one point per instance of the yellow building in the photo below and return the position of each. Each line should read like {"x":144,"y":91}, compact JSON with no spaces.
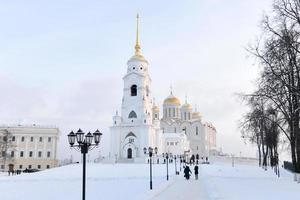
{"x":31,"y":147}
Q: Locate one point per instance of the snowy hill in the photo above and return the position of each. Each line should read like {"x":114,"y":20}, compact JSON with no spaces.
{"x":131,"y":182}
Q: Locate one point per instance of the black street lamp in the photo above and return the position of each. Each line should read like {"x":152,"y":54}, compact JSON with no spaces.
{"x":150,"y":152}
{"x":85,"y":143}
{"x":167,"y":157}
{"x":175,"y":165}
{"x":180,"y":157}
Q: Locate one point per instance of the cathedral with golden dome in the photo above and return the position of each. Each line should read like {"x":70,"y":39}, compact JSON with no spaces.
{"x":179,"y":131}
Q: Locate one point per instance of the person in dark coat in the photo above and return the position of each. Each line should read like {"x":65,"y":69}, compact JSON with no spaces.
{"x":196,"y":170}
{"x":187,"y":172}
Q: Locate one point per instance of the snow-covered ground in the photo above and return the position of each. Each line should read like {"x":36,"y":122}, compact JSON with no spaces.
{"x":131,"y":182}
{"x":104,"y":181}
{"x":248,"y":182}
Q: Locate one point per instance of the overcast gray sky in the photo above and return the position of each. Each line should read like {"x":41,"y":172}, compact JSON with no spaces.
{"x":62,"y":62}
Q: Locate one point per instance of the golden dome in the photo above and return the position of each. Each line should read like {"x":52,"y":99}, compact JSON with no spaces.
{"x":172,"y":100}
{"x":196,"y":115}
{"x":187,"y":106}
{"x":137,"y":57}
{"x":155,"y":108}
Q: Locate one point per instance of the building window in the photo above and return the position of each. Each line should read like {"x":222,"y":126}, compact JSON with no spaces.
{"x":156,"y":116}
{"x":49,"y":139}
{"x":30,"y":153}
{"x":144,"y":121}
{"x":29,"y":166}
{"x":40,"y":154}
{"x":31,"y":139}
{"x":2,"y":166}
{"x":22,"y":139}
{"x":22,"y":154}
{"x":48,"y":166}
{"x":173,"y":112}
{"x":3,"y":153}
{"x":147,"y":91}
{"x":41,"y":139}
{"x":189,"y":115}
{"x":39,"y":166}
{"x":133,"y":90}
{"x":48,"y":154}
{"x":197,"y":148}
{"x":12,"y":154}
{"x":20,"y":166}
{"x":184,"y":115}
{"x":13,"y":138}
{"x":131,"y":140}
{"x":132,"y":114}
{"x":196,"y":130}
{"x":169,"y":112}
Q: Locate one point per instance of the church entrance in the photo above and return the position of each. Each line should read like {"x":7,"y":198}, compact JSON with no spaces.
{"x":129,"y":153}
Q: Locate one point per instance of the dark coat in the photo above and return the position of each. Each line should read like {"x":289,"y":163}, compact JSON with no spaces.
{"x":196,"y":169}
{"x":187,"y":172}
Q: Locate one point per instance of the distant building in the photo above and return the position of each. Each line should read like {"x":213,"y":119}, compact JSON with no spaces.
{"x":178,"y":119}
{"x":180,"y":131}
{"x":31,"y":147}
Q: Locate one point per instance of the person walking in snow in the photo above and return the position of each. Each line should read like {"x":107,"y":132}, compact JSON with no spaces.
{"x":196,"y":170}
{"x":187,"y":172}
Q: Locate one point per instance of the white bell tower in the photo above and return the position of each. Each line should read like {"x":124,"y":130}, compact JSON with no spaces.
{"x":137,"y":101}
{"x":134,"y":130}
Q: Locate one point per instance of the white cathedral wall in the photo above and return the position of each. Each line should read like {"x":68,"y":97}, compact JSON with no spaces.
{"x":146,"y":136}
{"x":140,"y":103}
{"x":197,"y":143}
{"x":171,"y":111}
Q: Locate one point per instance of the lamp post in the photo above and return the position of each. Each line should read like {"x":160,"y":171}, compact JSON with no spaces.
{"x":180,"y":157}
{"x":167,"y":157}
{"x":175,"y":164}
{"x":84,"y":144}
{"x":155,"y":151}
{"x":150,"y":152}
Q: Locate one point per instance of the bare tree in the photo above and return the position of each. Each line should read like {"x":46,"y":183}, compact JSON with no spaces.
{"x":278,"y":53}
{"x":6,"y":147}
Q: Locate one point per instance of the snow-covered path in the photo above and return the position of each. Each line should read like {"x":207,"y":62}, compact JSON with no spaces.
{"x":222,"y":181}
{"x":182,"y":189}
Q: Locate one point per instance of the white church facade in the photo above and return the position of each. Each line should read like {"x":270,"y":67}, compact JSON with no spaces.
{"x":179,"y":131}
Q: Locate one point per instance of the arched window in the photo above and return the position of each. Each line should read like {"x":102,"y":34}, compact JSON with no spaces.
{"x":133,"y":90}
{"x":132,"y":114}
{"x":147,"y":91}
{"x":196,"y":130}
